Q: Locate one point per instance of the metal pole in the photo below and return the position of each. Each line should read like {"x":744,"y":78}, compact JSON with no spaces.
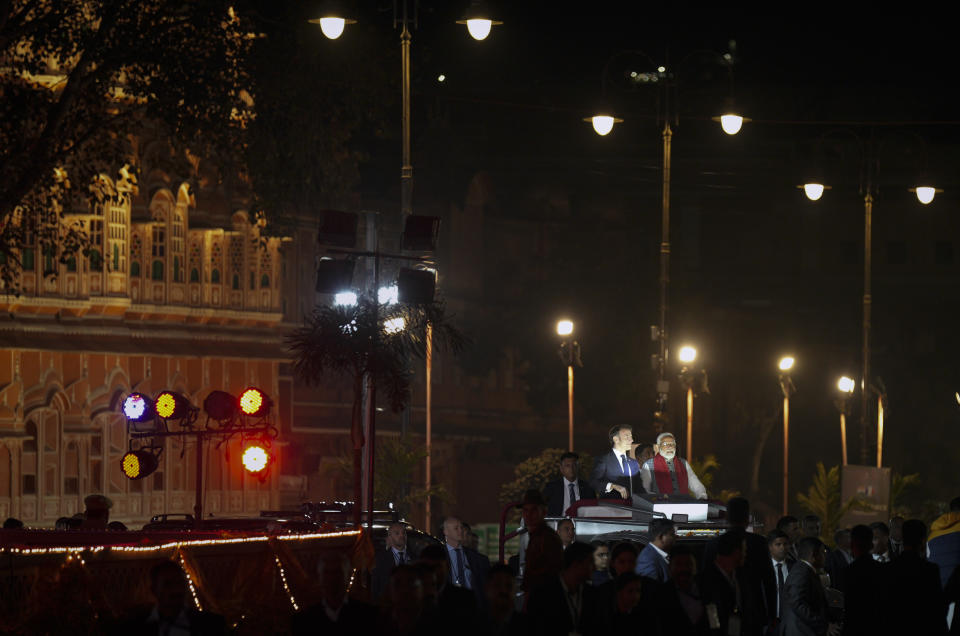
{"x":786,"y":452}
{"x":198,"y":502}
{"x":570,"y":404}
{"x":867,"y":301}
{"x":843,"y":438}
{"x":406,"y":169}
{"x":664,"y":264}
{"x":429,"y":406}
{"x":372,"y":391}
{"x":880,"y":432}
{"x":690,"y":423}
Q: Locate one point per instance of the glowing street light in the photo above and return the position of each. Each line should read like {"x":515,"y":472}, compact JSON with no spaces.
{"x":478,"y":21}
{"x":787,"y":387}
{"x":846,"y":386}
{"x":731,"y":123}
{"x":570,"y":355}
{"x":564,"y":328}
{"x":813,"y":190}
{"x":925,"y":194}
{"x":687,"y":354}
{"x":603,"y":124}
{"x":786,"y":363}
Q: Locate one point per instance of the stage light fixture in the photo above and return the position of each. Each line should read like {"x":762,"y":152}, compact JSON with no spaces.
{"x":420,"y":233}
{"x":137,"y":407}
{"x":334,"y":276}
{"x":220,"y":406}
{"x":254,"y":402}
{"x":255,"y":458}
{"x":171,"y":405}
{"x":138,"y":464}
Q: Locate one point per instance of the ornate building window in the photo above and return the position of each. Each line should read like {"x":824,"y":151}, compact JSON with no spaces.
{"x":96,"y":244}
{"x":71,"y":470}
{"x":215,"y":277}
{"x":156,"y":272}
{"x":177,"y":274}
{"x":216,"y":262}
{"x":236,"y":259}
{"x":236,"y":281}
{"x":176,"y":245}
{"x":264,"y":281}
{"x":159,"y":241}
{"x":194,"y":275}
{"x":28,"y":460}
{"x":134,"y":268}
{"x":118,"y":235}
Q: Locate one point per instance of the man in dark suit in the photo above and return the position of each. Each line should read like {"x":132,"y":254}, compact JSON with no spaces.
{"x":336,"y":613}
{"x":652,"y":562}
{"x":730,"y":597}
{"x":444,"y":604}
{"x":917,"y":601}
{"x":839,"y":559}
{"x":804,"y":607}
{"x":566,"y":490}
{"x":616,"y":475}
{"x":468,"y":568}
{"x":565,"y":604}
{"x":171,"y":613}
{"x":778,"y":546}
{"x":864,"y":587}
{"x":679,"y":606}
{"x":395,"y":553}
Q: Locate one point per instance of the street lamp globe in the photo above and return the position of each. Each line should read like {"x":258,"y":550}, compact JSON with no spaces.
{"x":332,"y":27}
{"x":731,"y":123}
{"x":479,"y":28}
{"x":564,"y":327}
{"x":813,"y":190}
{"x":846,"y":385}
{"x":925,"y":194}
{"x":603,"y":124}
{"x":687,"y":354}
{"x":786,"y":363}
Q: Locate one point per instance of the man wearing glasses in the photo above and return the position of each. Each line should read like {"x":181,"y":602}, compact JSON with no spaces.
{"x":667,"y":474}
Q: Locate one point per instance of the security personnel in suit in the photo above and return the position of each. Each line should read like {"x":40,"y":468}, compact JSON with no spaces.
{"x":615,"y":473}
{"x":566,"y":490}
{"x":395,"y":552}
{"x":804,"y":603}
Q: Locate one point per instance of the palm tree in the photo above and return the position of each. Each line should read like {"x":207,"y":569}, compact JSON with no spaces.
{"x":372,"y":341}
{"x":824,"y":499}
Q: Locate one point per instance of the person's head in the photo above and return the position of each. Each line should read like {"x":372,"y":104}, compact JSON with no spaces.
{"x":811,"y":550}
{"x":567,"y":532}
{"x":623,"y":558}
{"x":533,"y":509}
{"x":881,"y":537}
{"x":811,"y":526}
{"x":169,"y":587}
{"x":397,"y":536}
{"x":955,"y":504}
{"x":683,"y":567}
{"x":914,"y":534}
{"x":663,"y":534}
{"x":570,"y":465}
{"x":97,"y":509}
{"x":11,"y":523}
{"x":627,"y":587}
{"x":435,"y":556}
{"x":667,"y":445}
{"x":896,"y":528}
{"x":117,"y":526}
{"x":63,"y":523}
{"x":731,"y":548}
{"x":778,"y":543}
{"x":842,"y":538}
{"x":578,"y":563}
{"x":861,"y":540}
{"x":601,"y":556}
{"x":621,"y":437}
{"x":405,"y":589}
{"x":790,"y":525}
{"x":738,"y":512}
{"x":453,"y":531}
{"x":643,"y":452}
{"x":500,"y":588}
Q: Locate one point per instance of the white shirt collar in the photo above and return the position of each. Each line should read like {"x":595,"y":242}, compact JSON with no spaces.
{"x":776,"y":563}
{"x":567,"y":482}
{"x":660,"y":552}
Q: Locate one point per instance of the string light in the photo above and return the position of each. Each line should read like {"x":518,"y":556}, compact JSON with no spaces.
{"x":193,"y":589}
{"x":283,"y":579}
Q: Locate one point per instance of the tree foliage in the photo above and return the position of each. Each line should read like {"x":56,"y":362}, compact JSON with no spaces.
{"x":823,"y":499}
{"x":80,"y":80}
{"x":900,"y":487}
{"x":535,"y":472}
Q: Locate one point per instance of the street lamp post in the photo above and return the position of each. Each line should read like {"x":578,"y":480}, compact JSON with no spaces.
{"x":845,"y":385}
{"x":788,"y":388}
{"x":570,"y":355}
{"x":688,"y":356}
{"x":603,"y":123}
{"x":869,"y":156}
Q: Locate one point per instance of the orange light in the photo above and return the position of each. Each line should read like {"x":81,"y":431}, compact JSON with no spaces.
{"x":255,"y":458}
{"x":254,"y":402}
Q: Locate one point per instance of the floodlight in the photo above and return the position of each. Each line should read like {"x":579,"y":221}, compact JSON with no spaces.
{"x":420,"y":233}
{"x":138,"y":464}
{"x":171,"y":405}
{"x":220,"y":406}
{"x":846,"y":385}
{"x":416,"y":286}
{"x":333,"y":276}
{"x":254,"y":402}
{"x":137,"y":407}
{"x":687,"y":354}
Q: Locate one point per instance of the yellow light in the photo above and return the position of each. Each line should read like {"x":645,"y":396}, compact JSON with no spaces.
{"x":687,"y":354}
{"x":250,"y":401}
{"x":731,"y":124}
{"x":332,"y":27}
{"x":255,"y":459}
{"x":813,"y":190}
{"x":564,"y":328}
{"x":131,"y":465}
{"x":925,"y":194}
{"x":479,"y":28}
{"x":786,"y":363}
{"x":166,"y":404}
{"x":394,"y":325}
{"x":846,"y":384}
{"x":603,"y":124}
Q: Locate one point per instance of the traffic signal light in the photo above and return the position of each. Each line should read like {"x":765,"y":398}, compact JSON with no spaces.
{"x":138,"y":464}
{"x":255,"y":459}
{"x":254,"y":402}
{"x":137,"y":407}
{"x":172,"y":406}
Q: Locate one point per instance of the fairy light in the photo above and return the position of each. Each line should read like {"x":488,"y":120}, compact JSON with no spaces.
{"x":283,"y":579}
{"x":353,"y":576}
{"x":193,"y":588}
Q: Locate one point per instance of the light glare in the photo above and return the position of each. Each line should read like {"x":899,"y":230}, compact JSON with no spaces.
{"x":602,"y":124}
{"x":345,"y":299}
{"x":925,"y":194}
{"x":564,"y":328}
{"x":786,"y":363}
{"x":394,"y":325}
{"x":846,"y":384}
{"x":134,"y":406}
{"x":479,"y":28}
{"x":255,"y":459}
{"x":813,"y":191}
{"x":388,"y":295}
{"x":441,"y":77}
{"x":332,"y":27}
{"x":687,"y":354}
{"x":731,"y":124}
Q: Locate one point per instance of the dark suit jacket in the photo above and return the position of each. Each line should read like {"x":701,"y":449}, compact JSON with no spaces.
{"x":864,"y":587}
{"x":716,"y":589}
{"x":651,"y":565}
{"x":804,"y":608}
{"x":607,"y":621}
{"x":356,"y":619}
{"x":917,"y":601}
{"x":757,"y":562}
{"x":672,"y":618}
{"x":478,"y":565}
{"x":553,"y":493}
{"x":383,"y":566}
{"x":549,"y":613}
{"x":609,"y":470}
{"x":836,"y":566}
{"x":201,"y":623}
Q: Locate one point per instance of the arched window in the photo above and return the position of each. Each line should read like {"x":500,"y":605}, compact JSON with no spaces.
{"x":96,"y":261}
{"x":176,"y":270}
{"x":264,"y":281}
{"x":71,"y":470}
{"x":72,"y":264}
{"x":236,"y":282}
{"x":194,"y":275}
{"x":215,"y":276}
{"x":157,"y":273}
{"x":28,"y":460}
{"x":116,"y":257}
{"x":27,"y":259}
{"x":135,"y":268}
